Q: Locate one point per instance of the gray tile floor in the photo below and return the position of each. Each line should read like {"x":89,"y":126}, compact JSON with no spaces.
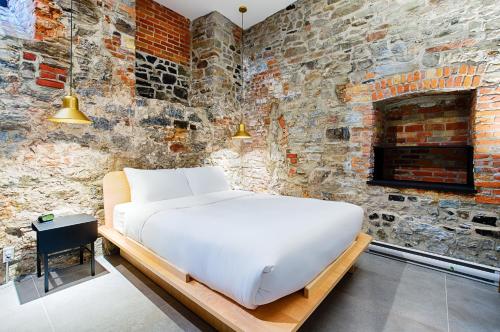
{"x":383,"y":295}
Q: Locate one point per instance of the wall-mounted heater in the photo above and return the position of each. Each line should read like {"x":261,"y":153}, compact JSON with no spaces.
{"x":479,"y":272}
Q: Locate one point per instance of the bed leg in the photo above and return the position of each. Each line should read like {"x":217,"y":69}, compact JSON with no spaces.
{"x":353,"y":269}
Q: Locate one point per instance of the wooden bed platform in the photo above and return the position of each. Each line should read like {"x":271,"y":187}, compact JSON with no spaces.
{"x":285,"y":314}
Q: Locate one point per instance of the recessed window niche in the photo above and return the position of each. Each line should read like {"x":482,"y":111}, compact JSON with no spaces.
{"x":423,"y":141}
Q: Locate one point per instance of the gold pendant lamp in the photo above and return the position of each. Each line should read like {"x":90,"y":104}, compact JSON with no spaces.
{"x":70,"y":113}
{"x":242,"y":132}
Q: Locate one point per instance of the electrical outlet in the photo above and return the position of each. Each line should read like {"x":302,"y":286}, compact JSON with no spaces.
{"x":8,"y":254}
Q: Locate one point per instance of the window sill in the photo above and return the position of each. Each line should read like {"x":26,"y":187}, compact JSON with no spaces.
{"x":449,"y":187}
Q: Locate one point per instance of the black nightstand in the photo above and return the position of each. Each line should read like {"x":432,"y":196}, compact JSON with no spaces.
{"x":63,"y":234}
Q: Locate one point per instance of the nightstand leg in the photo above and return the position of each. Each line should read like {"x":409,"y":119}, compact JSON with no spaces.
{"x":46,"y":272}
{"x":38,"y":265}
{"x":81,"y":255}
{"x":92,"y":259}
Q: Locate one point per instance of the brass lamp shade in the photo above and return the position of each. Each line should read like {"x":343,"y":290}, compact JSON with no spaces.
{"x":69,"y":113}
{"x":242,"y":132}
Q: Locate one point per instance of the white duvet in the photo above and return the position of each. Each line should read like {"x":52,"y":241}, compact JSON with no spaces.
{"x":254,"y":248}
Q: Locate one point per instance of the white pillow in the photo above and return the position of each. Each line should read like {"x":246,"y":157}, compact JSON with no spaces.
{"x":203,"y":180}
{"x":156,"y":185}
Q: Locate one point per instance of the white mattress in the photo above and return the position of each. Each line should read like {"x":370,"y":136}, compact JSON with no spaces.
{"x":254,"y":248}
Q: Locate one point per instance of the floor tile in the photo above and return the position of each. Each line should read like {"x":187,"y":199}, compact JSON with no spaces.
{"x":168,"y":304}
{"x":185,"y":319}
{"x":421,"y":296}
{"x":343,"y":312}
{"x":18,"y":317}
{"x":383,"y":295}
{"x":398,"y":290}
{"x":60,"y":279}
{"x":400,"y":323}
{"x":26,"y":290}
{"x":108,"y":303}
{"x":472,"y":306}
{"x":112,"y":302}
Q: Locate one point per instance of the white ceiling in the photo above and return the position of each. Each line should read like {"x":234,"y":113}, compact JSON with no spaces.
{"x":258,"y":10}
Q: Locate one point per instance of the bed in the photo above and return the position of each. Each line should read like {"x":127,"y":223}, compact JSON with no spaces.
{"x":241,"y":260}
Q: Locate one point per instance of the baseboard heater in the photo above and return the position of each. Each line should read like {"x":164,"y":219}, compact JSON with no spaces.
{"x":483,"y":273}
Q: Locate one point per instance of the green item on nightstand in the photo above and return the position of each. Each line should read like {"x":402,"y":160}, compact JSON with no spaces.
{"x":46,"y":218}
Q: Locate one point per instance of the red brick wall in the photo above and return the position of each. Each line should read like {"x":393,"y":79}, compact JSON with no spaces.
{"x":48,"y":76}
{"x":439,"y":119}
{"x":48,"y":20}
{"x":425,"y":120}
{"x":162,"y":32}
{"x":486,"y":136}
{"x":443,"y":165}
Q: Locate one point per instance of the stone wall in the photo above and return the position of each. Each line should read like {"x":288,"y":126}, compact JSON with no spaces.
{"x":162,"y":79}
{"x":315,"y":70}
{"x":163,"y":54}
{"x":216,"y":61}
{"x":47,"y":167}
{"x":17,"y":18}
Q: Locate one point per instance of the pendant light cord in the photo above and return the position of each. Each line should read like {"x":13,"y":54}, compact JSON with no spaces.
{"x":242,"y":70}
{"x":71,"y":49}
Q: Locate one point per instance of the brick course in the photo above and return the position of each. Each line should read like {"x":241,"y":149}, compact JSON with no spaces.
{"x":48,"y":20}
{"x":426,"y":164}
{"x":162,"y":32}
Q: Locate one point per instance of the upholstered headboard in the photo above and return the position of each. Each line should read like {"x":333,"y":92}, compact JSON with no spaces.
{"x":115,"y":191}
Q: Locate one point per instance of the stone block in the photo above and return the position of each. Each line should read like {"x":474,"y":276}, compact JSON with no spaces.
{"x":396,"y":198}
{"x":335,"y":134}
{"x":388,"y":217}
{"x":444,"y":203}
{"x":485,"y":220}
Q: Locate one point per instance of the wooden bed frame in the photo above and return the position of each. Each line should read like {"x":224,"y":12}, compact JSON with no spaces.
{"x":285,"y":314}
